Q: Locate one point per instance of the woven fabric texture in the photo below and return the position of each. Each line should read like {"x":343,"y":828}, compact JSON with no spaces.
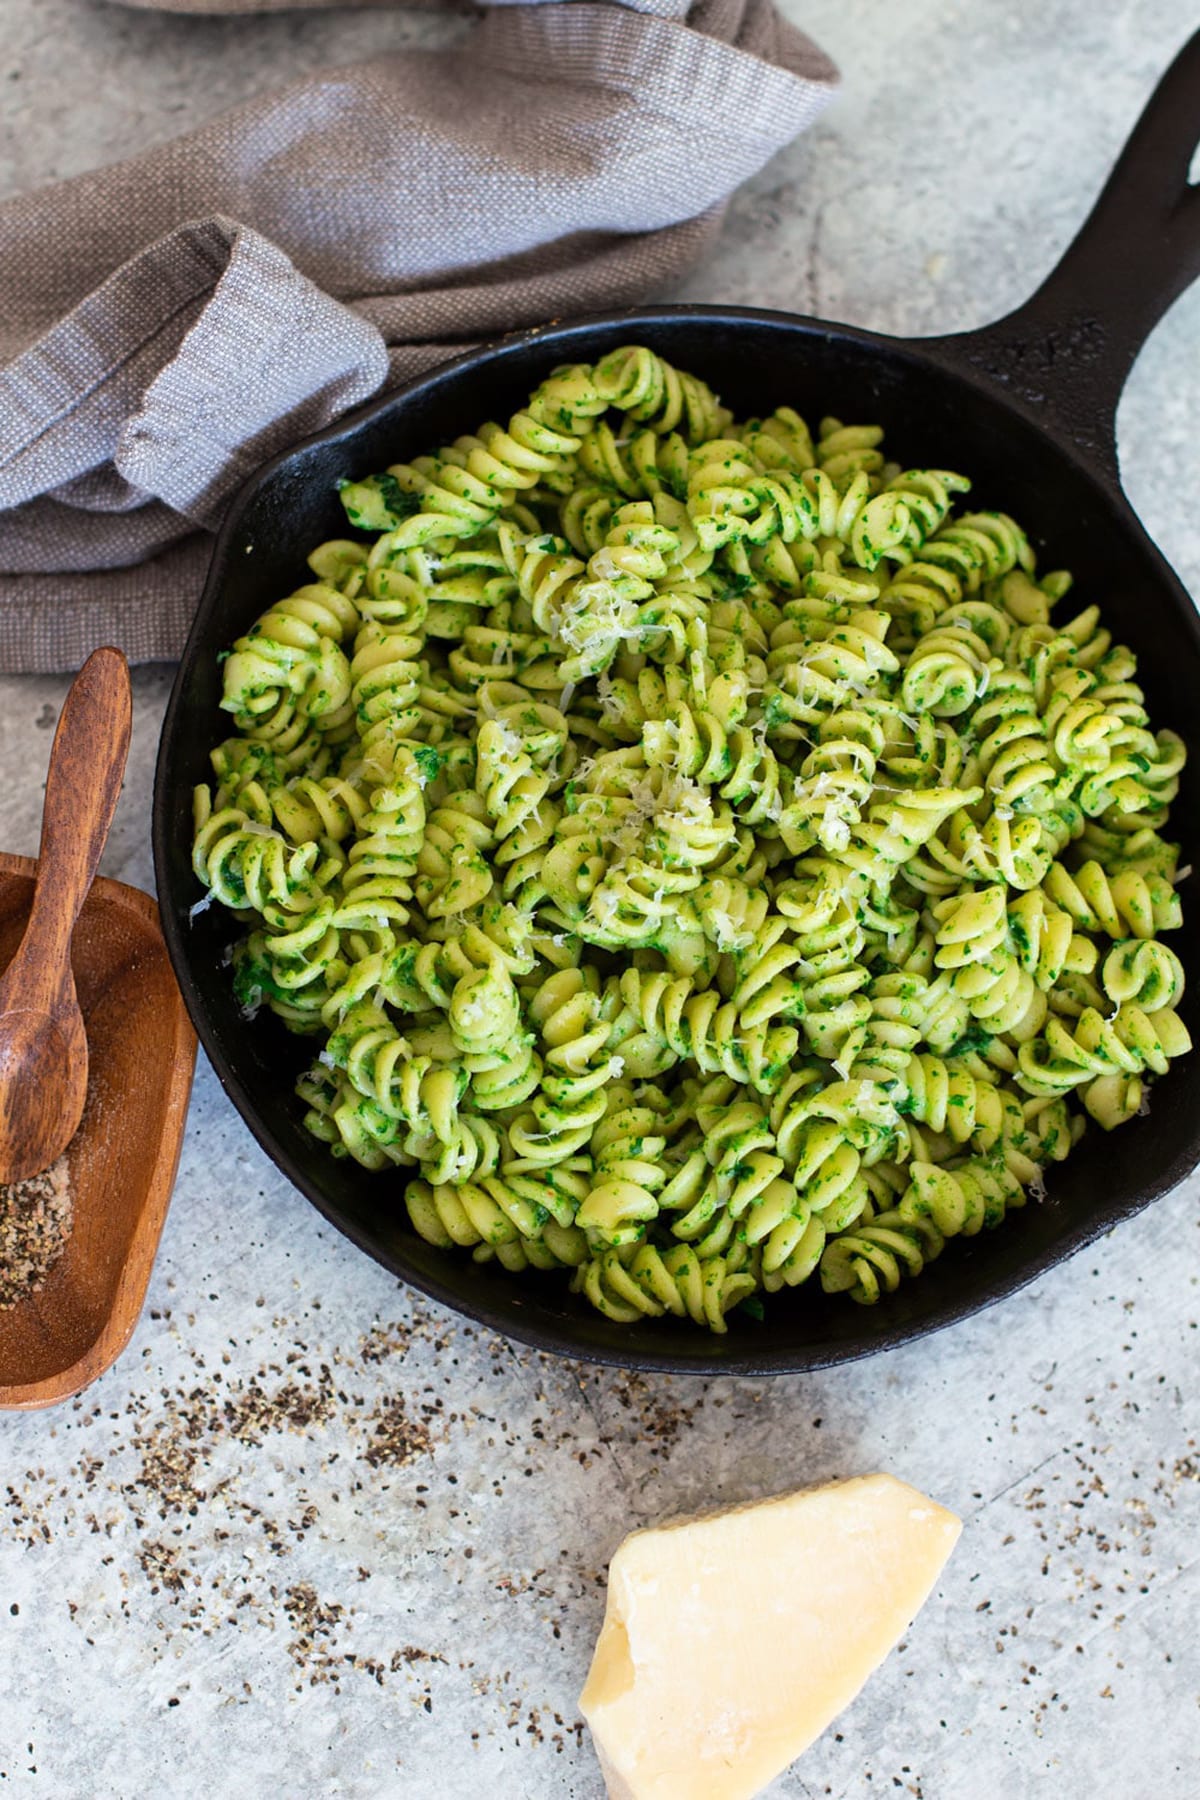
{"x":168,"y":323}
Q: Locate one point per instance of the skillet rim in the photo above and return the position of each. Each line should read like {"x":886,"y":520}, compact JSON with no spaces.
{"x":948,"y":354}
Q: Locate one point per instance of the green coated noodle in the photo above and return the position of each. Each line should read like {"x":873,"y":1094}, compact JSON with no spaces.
{"x":703,"y":862}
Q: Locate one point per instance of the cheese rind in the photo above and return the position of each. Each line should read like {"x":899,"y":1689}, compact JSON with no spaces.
{"x":729,"y":1643}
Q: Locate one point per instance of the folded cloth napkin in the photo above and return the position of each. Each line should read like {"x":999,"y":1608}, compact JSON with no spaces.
{"x":168,"y":323}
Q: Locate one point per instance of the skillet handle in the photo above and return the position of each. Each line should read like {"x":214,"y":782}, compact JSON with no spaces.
{"x":1068,"y":350}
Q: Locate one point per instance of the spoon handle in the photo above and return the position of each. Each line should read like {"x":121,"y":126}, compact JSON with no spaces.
{"x":87,"y":763}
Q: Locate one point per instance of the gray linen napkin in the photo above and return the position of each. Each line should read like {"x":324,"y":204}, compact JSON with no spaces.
{"x":168,"y":323}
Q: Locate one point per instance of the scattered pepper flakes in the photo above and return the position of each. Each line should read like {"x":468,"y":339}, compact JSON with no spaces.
{"x":162,"y":1569}
{"x":397,"y":1438}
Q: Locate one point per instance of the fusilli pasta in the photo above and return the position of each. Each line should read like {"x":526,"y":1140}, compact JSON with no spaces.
{"x":705,"y":863}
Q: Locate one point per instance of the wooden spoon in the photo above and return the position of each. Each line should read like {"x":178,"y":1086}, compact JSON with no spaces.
{"x":43,"y":1047}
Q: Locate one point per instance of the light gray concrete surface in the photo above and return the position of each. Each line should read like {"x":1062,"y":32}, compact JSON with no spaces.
{"x":313,"y":1536}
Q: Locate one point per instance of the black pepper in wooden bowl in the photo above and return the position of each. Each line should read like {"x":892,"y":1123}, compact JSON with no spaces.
{"x":35,"y":1223}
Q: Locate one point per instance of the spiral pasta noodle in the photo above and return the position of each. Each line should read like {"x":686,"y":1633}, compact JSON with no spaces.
{"x":705,"y":865}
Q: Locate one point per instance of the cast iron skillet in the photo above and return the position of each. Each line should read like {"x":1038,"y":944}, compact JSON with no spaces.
{"x":1026,"y":407}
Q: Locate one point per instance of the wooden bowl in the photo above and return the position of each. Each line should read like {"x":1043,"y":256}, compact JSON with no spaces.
{"x":122,"y":1160}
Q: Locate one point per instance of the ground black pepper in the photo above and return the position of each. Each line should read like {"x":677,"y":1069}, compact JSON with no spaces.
{"x":35,"y":1223}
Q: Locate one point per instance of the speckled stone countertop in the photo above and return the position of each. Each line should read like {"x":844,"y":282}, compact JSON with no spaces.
{"x":315,"y":1537}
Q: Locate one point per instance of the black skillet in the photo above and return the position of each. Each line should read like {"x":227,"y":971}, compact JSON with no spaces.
{"x":1026,"y":407}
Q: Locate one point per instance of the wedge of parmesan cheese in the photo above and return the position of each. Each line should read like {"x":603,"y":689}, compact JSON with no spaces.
{"x":730,"y":1642}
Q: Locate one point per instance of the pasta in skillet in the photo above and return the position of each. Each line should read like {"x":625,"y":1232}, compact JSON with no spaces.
{"x":703,"y":863}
